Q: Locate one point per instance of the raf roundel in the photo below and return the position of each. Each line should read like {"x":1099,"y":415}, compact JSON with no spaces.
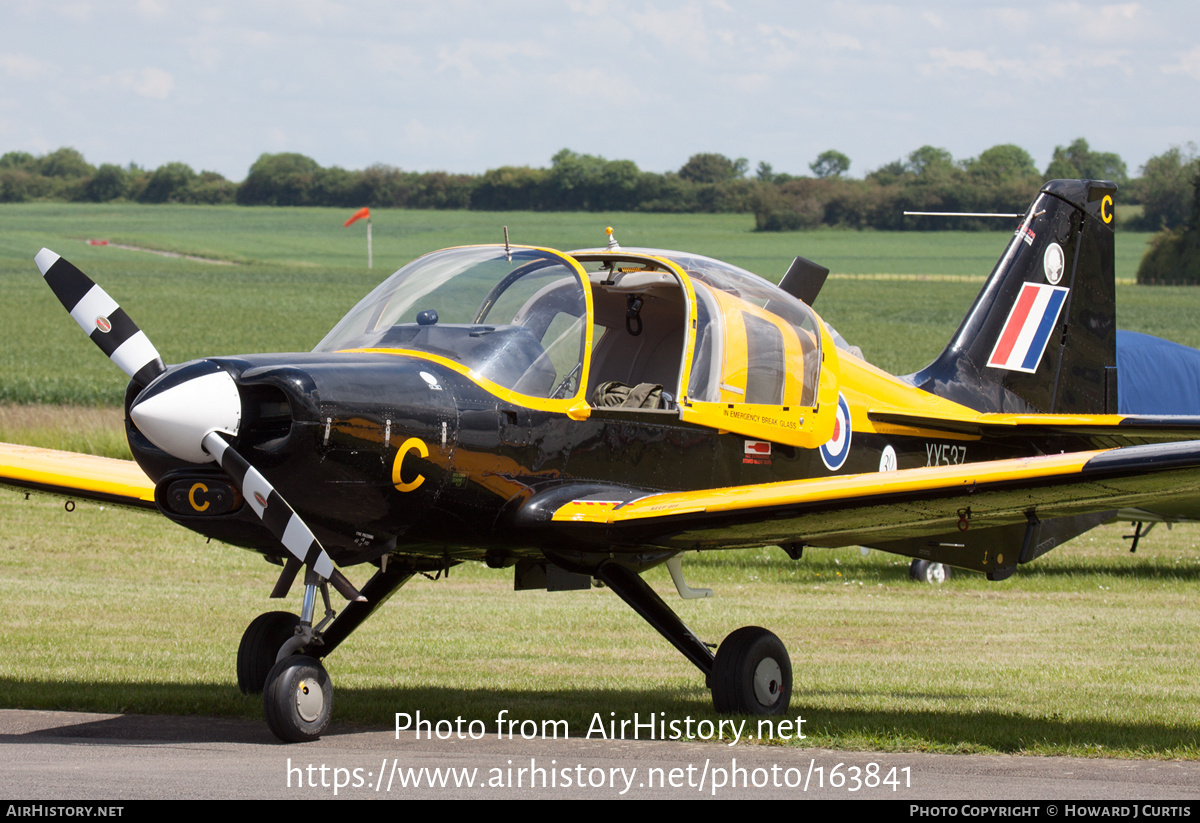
{"x":833,"y":453}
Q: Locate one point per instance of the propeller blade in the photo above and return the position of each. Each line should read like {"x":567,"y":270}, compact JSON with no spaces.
{"x":182,"y":413}
{"x":277,"y":515}
{"x":101,"y":318}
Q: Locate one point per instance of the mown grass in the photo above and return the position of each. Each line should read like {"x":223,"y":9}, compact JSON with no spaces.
{"x":1089,"y":651}
{"x":88,"y":429}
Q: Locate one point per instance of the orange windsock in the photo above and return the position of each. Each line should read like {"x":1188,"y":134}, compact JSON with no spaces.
{"x":359,"y":215}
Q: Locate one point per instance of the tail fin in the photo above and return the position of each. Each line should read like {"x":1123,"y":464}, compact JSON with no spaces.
{"x":1041,"y":336}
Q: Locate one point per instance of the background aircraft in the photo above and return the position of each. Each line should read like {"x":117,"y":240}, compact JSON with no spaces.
{"x":588,"y":415}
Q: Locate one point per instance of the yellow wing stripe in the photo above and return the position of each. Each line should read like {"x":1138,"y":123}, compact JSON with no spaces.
{"x":827,"y":489}
{"x":69,"y":473}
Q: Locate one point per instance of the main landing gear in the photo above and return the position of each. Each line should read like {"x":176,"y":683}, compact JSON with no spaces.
{"x":927,"y":571}
{"x":750,"y":673}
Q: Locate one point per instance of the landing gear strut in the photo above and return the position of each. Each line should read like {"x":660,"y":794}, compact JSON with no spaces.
{"x":297,"y":691}
{"x":750,"y":673}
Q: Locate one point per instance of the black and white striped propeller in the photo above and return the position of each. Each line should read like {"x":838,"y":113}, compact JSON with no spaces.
{"x":186,"y":411}
{"x":101,"y":319}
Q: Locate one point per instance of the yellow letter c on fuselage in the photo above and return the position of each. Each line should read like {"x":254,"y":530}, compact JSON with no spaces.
{"x":192,"y":496}
{"x":1106,"y":203}
{"x":408,"y":445}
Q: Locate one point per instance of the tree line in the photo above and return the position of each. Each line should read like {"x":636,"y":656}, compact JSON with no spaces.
{"x":1001,"y":179}
{"x":1173,"y":256}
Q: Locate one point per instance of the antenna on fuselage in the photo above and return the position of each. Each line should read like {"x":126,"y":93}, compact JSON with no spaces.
{"x":507,"y":250}
{"x":958,"y":214}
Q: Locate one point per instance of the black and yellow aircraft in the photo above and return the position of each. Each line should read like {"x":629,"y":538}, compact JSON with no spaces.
{"x":592,"y":414}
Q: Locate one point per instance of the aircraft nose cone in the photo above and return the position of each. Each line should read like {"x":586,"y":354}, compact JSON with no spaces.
{"x":176,"y":411}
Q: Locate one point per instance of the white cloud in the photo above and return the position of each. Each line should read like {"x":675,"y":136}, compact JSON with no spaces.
{"x":594,"y":86}
{"x":841,"y":41}
{"x":150,"y":82}
{"x":321,"y":12}
{"x":591,"y":8}
{"x":680,"y":27}
{"x":1188,"y":64}
{"x":1103,"y":23}
{"x":391,"y":58}
{"x":970,"y":59}
{"x":468,"y":53}
{"x":1018,"y":20}
{"x":74,"y":11}
{"x":750,"y":82}
{"x":1046,"y":61}
{"x":24,"y":67}
{"x":152,"y":8}
{"x":207,"y":57}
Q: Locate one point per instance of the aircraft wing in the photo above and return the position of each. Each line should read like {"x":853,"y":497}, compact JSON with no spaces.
{"x":987,"y":516}
{"x":1117,"y":427}
{"x":75,"y":475}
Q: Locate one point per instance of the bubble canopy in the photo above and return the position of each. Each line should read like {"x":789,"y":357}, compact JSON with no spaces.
{"x":519,"y":323}
{"x":555,"y":326}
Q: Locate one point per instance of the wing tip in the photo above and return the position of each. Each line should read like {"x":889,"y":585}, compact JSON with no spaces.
{"x":45,"y":259}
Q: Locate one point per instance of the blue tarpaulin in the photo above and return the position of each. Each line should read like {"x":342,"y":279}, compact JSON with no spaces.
{"x":1156,"y":376}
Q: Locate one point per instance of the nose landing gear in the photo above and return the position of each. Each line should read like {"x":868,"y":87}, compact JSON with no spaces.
{"x":298,"y":699}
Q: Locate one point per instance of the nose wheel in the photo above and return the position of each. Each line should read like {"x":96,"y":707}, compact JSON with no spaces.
{"x":751,"y":674}
{"x":298,"y":699}
{"x":260,"y":645}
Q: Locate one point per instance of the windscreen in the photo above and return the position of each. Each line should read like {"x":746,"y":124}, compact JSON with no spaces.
{"x":519,"y":322}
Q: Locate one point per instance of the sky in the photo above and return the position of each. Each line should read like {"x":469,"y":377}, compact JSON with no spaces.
{"x":468,"y":86}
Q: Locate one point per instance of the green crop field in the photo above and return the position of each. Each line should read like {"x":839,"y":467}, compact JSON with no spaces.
{"x":1089,"y":651}
{"x":296,"y":271}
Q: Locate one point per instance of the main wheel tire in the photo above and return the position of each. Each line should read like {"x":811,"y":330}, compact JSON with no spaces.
{"x":752,"y":674}
{"x":298,"y":699}
{"x":927,"y":571}
{"x":260,"y":645}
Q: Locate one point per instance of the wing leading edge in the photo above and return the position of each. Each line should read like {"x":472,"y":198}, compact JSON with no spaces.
{"x":75,"y":475}
{"x":987,"y":516}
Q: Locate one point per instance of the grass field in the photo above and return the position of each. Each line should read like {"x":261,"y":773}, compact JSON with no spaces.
{"x":298,"y":271}
{"x":1089,"y":651}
